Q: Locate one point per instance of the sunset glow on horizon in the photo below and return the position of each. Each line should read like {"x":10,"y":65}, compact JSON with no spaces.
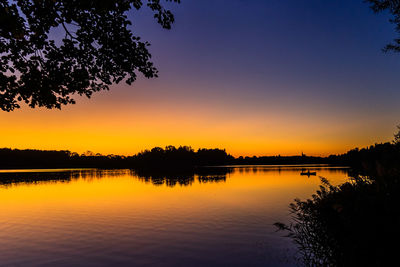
{"x":216,"y":132}
{"x":128,"y":130}
{"x":252,"y":78}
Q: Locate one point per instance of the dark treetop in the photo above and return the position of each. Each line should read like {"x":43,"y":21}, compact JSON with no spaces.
{"x":377,"y":157}
{"x":393,"y":7}
{"x":98,"y":49}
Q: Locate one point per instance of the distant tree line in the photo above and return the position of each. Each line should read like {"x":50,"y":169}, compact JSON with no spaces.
{"x":376,"y":160}
{"x":180,"y":157}
{"x":170,"y":157}
{"x":29,"y":158}
{"x":281,"y":160}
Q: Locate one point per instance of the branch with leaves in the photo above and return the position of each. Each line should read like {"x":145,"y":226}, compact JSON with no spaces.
{"x":101,"y":50}
{"x":393,"y":7}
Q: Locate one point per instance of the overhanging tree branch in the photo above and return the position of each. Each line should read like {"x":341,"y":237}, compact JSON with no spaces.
{"x":50,"y":72}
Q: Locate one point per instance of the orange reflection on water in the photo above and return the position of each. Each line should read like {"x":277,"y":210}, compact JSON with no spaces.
{"x":121,"y":217}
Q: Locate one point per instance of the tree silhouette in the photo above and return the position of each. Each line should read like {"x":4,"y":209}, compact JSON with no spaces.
{"x":393,"y":7}
{"x":397,"y":136}
{"x":98,"y":49}
{"x":352,"y":224}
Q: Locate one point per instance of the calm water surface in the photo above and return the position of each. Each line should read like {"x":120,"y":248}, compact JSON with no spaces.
{"x":221,"y":217}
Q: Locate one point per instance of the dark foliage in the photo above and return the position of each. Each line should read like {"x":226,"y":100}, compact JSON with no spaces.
{"x":393,"y":7}
{"x":356,"y":223}
{"x":376,"y":161}
{"x":181,"y":157}
{"x":185,"y":158}
{"x":170,"y":158}
{"x":379,"y":160}
{"x":98,"y":49}
{"x":396,"y":140}
{"x":281,"y":160}
{"x":15,"y":158}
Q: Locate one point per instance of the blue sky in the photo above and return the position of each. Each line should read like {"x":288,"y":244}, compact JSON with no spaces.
{"x":254,"y":76}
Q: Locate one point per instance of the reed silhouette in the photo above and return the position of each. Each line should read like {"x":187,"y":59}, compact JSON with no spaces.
{"x":355,"y":223}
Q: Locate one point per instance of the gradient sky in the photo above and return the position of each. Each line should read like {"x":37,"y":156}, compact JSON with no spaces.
{"x":257,"y":77}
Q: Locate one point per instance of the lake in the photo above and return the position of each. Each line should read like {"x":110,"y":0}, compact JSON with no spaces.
{"x":215,"y":217}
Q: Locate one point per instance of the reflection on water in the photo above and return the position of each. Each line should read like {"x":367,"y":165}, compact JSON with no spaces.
{"x":213,"y":216}
{"x":171,"y":178}
{"x":184,"y":178}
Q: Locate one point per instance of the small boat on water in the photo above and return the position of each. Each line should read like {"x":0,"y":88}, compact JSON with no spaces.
{"x":308,"y":173}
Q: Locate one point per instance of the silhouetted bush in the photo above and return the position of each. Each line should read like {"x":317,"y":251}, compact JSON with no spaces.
{"x":379,"y":160}
{"x":354,"y":224}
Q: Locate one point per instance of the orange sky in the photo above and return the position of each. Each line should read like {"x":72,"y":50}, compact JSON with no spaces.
{"x":246,"y":77}
{"x":115,"y":123}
